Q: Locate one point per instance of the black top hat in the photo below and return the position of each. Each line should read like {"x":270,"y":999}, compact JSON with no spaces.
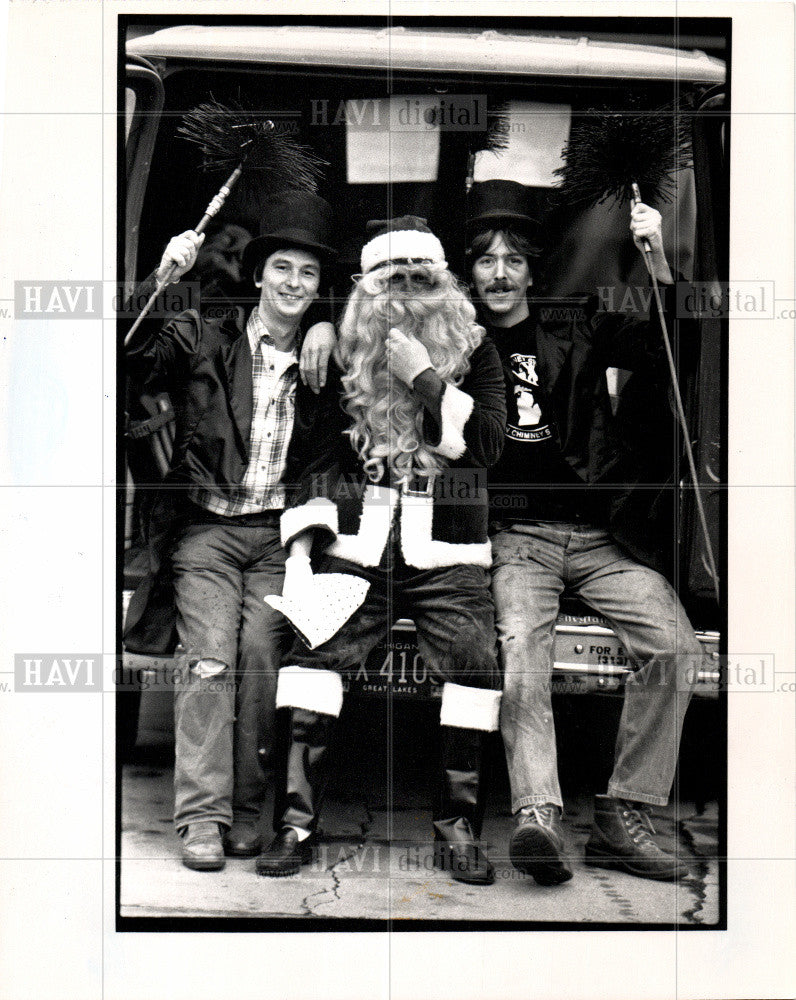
{"x":494,"y":204}
{"x":297,"y":219}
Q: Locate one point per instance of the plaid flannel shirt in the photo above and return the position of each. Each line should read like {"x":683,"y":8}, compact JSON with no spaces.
{"x":274,"y":376}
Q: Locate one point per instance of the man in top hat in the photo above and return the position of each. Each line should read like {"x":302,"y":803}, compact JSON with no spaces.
{"x":393,"y":494}
{"x":214,"y":525}
{"x":570,"y":482}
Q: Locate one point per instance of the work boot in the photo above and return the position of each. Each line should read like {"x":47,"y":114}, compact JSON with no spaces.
{"x":621,"y":838}
{"x":202,"y":850}
{"x":459,"y":808}
{"x":537,"y":845}
{"x":301,"y":793}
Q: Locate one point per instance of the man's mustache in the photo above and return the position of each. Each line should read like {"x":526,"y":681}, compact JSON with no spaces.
{"x":501,"y":286}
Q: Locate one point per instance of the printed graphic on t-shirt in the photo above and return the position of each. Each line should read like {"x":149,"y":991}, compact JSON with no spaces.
{"x":525,"y":417}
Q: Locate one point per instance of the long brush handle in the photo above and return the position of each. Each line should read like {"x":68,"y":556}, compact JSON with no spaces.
{"x":686,"y":435}
{"x":215,"y":206}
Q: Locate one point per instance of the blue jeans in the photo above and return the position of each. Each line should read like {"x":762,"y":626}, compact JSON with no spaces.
{"x":224,"y":723}
{"x":533,"y":565}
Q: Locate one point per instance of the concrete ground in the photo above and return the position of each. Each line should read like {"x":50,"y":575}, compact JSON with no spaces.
{"x":375,"y":863}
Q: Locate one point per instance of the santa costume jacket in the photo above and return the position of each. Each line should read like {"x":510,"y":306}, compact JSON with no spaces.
{"x":440,"y":524}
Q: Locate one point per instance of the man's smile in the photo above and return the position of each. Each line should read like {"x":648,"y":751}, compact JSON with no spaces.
{"x":288,"y":284}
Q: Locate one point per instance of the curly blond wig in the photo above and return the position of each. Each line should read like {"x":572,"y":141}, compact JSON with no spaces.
{"x":424,"y":301}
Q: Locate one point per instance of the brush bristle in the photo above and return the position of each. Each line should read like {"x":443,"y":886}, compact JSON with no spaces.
{"x":228,"y":135}
{"x":498,"y":124}
{"x":609,"y":151}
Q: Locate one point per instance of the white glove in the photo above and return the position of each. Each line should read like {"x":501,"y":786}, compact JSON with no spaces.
{"x":182,"y":251}
{"x":406,"y":356}
{"x":299,"y":582}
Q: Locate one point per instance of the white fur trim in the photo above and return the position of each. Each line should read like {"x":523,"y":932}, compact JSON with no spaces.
{"x":403,"y":243}
{"x":366,"y":547}
{"x":423,"y":552}
{"x":315,"y":690}
{"x":455,"y":408}
{"x":318,"y":513}
{"x":469,"y":707}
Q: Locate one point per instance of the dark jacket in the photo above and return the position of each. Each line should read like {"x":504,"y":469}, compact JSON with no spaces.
{"x":353,"y":515}
{"x":206,"y":367}
{"x":631,"y":455}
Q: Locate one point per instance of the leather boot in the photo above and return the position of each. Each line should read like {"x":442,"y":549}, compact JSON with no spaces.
{"x":621,"y":839}
{"x":201,"y":847}
{"x":242,"y":840}
{"x":303,"y":787}
{"x":537,"y":845}
{"x":459,"y":808}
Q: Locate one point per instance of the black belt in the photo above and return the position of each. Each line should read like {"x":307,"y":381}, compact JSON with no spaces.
{"x":260,"y":519}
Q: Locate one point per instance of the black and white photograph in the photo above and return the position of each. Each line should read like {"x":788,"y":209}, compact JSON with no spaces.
{"x":424,"y":436}
{"x":398,"y":507}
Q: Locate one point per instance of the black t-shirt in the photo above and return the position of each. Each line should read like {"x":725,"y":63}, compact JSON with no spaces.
{"x":532,"y":481}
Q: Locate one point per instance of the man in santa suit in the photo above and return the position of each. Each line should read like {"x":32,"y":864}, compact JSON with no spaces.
{"x":393,"y":493}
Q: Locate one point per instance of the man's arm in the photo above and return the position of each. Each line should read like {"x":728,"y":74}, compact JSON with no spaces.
{"x":155,"y":353}
{"x":320,"y":344}
{"x":646,"y":226}
{"x":630,"y":341}
{"x":470,"y":418}
{"x":483,"y":431}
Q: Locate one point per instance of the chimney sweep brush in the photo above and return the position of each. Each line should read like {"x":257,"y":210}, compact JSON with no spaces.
{"x":231,"y":137}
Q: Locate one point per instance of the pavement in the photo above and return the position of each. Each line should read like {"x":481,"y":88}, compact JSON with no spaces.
{"x":375,"y":864}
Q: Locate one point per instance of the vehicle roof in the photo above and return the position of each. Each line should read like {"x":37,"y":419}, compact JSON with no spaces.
{"x":430,"y":50}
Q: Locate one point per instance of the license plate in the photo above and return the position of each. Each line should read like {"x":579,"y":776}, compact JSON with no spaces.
{"x":395,"y":669}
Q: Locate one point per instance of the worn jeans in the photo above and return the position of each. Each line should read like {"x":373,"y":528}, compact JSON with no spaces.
{"x":533,"y":565}
{"x":224,"y":723}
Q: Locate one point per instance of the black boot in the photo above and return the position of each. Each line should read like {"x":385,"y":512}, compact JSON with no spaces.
{"x":459,"y":809}
{"x":303,"y":787}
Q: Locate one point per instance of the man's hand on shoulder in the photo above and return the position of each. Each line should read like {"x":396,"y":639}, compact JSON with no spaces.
{"x":320,"y":344}
{"x":181,"y":252}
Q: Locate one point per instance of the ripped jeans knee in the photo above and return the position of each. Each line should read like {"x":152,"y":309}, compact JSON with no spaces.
{"x":193,"y":666}
{"x":207,"y":667}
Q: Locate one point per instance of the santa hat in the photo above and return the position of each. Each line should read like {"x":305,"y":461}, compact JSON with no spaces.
{"x":405,"y":240}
